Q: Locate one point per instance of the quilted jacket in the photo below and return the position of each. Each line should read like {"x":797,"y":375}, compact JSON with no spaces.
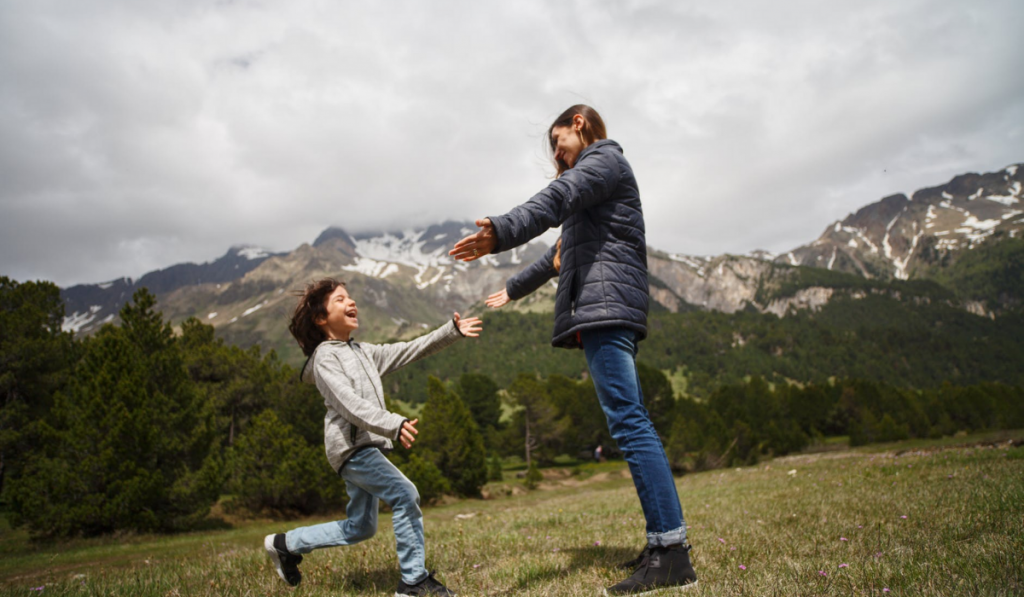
{"x":603,"y":279}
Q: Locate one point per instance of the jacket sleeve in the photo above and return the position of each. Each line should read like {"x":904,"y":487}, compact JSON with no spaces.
{"x":590,"y":182}
{"x":534,"y":276}
{"x":336,"y":388}
{"x":391,"y":357}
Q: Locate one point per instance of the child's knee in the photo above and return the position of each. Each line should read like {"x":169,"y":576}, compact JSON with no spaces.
{"x":361,"y":532}
{"x":407,"y":497}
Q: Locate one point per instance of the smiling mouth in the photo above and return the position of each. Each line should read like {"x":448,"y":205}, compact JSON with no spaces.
{"x":353,"y":314}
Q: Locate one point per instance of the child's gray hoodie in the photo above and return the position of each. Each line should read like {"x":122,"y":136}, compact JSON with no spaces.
{"x":348,"y":377}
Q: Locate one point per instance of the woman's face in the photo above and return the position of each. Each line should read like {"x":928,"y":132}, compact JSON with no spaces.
{"x":567,"y":144}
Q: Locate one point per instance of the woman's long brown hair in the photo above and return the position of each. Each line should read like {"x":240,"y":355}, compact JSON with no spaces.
{"x":593,"y":130}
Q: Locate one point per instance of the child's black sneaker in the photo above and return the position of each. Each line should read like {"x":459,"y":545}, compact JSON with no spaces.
{"x":662,"y":568}
{"x":427,"y":586}
{"x":635,"y":562}
{"x":285,"y":562}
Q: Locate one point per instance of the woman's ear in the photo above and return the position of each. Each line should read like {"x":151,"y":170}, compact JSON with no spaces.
{"x":578,"y":121}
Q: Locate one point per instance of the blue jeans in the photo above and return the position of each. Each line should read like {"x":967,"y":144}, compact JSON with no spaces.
{"x":611,"y":357}
{"x":369,"y":477}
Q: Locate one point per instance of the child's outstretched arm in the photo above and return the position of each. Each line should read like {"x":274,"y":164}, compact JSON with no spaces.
{"x":391,"y":357}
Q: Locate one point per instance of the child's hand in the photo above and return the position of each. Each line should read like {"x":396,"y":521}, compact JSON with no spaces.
{"x":498,"y":299}
{"x":469,"y":327}
{"x":409,"y":433}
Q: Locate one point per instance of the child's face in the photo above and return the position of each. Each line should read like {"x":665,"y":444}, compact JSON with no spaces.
{"x":342,"y":315}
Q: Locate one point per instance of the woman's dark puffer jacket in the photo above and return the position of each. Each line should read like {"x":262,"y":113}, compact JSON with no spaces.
{"x":603,"y":279}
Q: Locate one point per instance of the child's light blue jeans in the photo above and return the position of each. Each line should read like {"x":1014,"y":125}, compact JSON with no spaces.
{"x":369,"y":476}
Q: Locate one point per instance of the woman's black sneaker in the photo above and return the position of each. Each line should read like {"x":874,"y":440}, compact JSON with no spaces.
{"x":427,"y":586}
{"x":285,"y":562}
{"x":632,"y":564}
{"x":662,"y":568}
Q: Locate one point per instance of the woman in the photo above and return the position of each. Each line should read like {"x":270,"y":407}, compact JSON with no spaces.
{"x":600,"y":306}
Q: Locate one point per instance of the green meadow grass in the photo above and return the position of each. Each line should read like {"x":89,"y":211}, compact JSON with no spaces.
{"x":936,"y":520}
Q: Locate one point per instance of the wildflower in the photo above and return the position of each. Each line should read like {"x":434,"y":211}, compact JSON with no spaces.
{"x":844,"y":565}
{"x":721,"y":540}
{"x":904,"y":516}
{"x":38,"y":588}
{"x":878,"y":555}
{"x":548,"y":537}
{"x":822,"y":572}
{"x":742,"y":567}
{"x":476,"y":565}
{"x":554,"y":550}
{"x":860,"y":526}
{"x":885,"y":590}
{"x":732,"y":549}
{"x":843,"y":539}
{"x":596,"y":543}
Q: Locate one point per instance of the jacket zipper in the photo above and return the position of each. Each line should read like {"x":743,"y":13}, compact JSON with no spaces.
{"x":367,"y":374}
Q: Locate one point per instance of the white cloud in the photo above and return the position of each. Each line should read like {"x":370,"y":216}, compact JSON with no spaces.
{"x":134,"y":135}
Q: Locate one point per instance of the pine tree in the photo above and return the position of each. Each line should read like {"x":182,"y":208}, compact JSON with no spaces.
{"x":273,"y":468}
{"x":449,"y":432}
{"x":35,"y":357}
{"x":130,"y":441}
{"x":480,"y":395}
{"x":536,"y":420}
{"x":494,"y":472}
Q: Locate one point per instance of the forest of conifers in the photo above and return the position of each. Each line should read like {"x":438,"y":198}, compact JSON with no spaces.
{"x":140,"y":428}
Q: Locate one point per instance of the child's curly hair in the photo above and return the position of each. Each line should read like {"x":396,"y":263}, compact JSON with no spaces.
{"x":311,"y":307}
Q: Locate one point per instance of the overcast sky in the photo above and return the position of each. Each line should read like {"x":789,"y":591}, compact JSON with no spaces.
{"x":137,"y":134}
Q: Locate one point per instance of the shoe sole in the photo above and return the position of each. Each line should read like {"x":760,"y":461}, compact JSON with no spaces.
{"x":275,"y":558}
{"x":685,"y":587}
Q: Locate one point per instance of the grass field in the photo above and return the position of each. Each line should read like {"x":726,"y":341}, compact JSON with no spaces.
{"x":928,"y":518}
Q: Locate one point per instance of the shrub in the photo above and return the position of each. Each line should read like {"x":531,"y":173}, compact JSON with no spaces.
{"x":272,"y":468}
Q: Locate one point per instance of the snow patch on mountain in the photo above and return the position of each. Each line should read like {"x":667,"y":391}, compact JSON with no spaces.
{"x":251,"y":253}
{"x":404,"y":248}
{"x":977,"y":230}
{"x":1008,"y":200}
{"x":252,"y":310}
{"x":76,"y":321}
{"x":697,"y":263}
{"x":371,"y":267}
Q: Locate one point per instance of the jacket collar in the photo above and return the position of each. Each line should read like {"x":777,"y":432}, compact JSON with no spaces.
{"x":598,"y":145}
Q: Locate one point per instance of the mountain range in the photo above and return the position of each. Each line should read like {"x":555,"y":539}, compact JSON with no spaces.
{"x":405,"y":282}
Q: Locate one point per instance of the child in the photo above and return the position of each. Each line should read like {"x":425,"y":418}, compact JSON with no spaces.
{"x":358,"y":429}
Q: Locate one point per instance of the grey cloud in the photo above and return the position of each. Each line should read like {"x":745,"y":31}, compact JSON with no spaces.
{"x":134,"y":135}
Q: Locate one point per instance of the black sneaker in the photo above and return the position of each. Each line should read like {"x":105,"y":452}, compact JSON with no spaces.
{"x":635,"y":562}
{"x":662,"y":568}
{"x":427,"y":586}
{"x":285,"y":562}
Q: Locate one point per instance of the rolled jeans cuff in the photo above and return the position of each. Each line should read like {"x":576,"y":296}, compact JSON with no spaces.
{"x":673,"y":537}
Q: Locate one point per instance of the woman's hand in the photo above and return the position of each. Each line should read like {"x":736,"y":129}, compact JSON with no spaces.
{"x":498,"y":299}
{"x":469,"y":328}
{"x":409,"y":433}
{"x":476,"y":245}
